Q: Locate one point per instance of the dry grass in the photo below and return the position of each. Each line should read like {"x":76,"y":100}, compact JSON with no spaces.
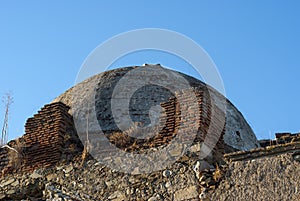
{"x":134,"y":130}
{"x":120,"y":139}
{"x":126,"y":140}
{"x":85,"y":153}
{"x":218,"y":174}
{"x":138,"y":129}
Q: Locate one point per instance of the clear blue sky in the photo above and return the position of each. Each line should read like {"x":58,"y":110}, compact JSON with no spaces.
{"x":255,"y":45}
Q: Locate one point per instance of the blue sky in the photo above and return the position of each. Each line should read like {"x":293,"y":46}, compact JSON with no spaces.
{"x":255,"y":45}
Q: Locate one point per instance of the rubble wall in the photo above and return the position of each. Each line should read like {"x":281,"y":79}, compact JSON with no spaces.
{"x":273,"y":177}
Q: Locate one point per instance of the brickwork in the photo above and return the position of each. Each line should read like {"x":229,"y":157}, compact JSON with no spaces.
{"x":173,"y":122}
{"x":3,"y":158}
{"x":49,"y":138}
{"x":197,"y":119}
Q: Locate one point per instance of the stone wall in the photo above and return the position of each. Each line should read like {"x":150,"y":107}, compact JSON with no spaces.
{"x":263,"y":152}
{"x":281,"y":138}
{"x":273,"y":177}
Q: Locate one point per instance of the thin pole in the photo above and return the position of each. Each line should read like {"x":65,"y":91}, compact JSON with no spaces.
{"x":4,"y":134}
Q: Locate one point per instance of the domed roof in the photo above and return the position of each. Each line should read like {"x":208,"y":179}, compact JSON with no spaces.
{"x":109,"y":88}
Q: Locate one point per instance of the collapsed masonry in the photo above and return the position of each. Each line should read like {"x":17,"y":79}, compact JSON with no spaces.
{"x":171,"y":121}
{"x":49,"y":137}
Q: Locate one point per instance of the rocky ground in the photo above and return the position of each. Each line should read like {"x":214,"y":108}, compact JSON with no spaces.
{"x":269,"y":178}
{"x":94,"y":181}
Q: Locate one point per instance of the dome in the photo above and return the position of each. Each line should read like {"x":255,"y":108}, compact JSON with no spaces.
{"x":145,"y":105}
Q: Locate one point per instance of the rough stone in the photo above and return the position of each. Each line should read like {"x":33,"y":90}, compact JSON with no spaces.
{"x":186,"y":193}
{"x":7,"y":182}
{"x":152,"y":199}
{"x":2,"y":196}
{"x":35,"y":175}
{"x":15,"y":183}
{"x":10,"y":192}
{"x":117,"y":196}
{"x":68,"y":169}
{"x":167,"y":173}
{"x":51,"y":177}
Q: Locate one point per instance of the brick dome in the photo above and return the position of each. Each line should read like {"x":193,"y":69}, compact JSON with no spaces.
{"x":237,"y":135}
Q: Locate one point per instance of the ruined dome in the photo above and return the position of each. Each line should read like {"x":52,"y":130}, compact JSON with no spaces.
{"x":143,"y":102}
